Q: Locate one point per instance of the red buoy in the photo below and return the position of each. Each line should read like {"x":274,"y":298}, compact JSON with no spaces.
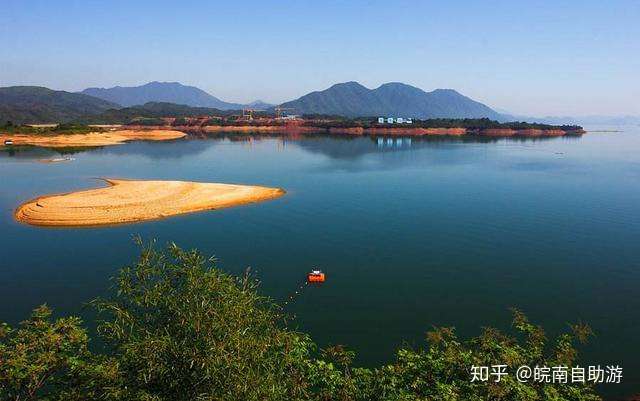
{"x":316,"y":276}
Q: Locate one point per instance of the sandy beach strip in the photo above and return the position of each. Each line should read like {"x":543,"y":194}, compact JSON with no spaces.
{"x":91,"y":139}
{"x":129,"y":201}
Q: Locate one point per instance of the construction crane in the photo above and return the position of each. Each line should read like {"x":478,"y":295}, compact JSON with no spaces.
{"x":248,"y":113}
{"x":280,"y":109}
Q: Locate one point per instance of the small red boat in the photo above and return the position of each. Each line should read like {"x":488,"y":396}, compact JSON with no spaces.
{"x":316,"y":276}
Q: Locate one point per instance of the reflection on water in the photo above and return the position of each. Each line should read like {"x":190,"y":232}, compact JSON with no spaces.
{"x":334,"y":146}
{"x":393,"y":142}
{"x":412,"y":232}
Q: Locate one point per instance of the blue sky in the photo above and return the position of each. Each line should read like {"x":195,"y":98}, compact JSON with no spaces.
{"x":535,"y":57}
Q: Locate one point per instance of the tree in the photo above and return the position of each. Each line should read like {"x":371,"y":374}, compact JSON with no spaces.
{"x":442,"y":370}
{"x":178,"y":328}
{"x":42,"y":357}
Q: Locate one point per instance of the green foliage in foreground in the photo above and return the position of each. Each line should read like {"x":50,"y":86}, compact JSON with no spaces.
{"x":177,"y":328}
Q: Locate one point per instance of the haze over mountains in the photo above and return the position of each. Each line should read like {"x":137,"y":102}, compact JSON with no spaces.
{"x":349,"y":99}
{"x":582,"y":120}
{"x":169,"y":92}
{"x":32,"y":104}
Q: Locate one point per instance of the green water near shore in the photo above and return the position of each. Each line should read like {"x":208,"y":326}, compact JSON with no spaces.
{"x":411,"y":233}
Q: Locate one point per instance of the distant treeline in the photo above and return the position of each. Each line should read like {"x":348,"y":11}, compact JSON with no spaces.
{"x":485,"y":123}
{"x":65,"y":128}
{"x":152,"y":111}
{"x":228,"y":121}
{"x":469,"y":123}
{"x":160,"y":113}
{"x":155,"y":113}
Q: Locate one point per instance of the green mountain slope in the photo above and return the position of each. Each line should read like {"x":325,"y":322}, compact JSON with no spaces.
{"x":149,"y":110}
{"x":35,"y":104}
{"x":351,"y":99}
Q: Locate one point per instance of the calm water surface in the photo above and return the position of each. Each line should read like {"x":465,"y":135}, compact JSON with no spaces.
{"x":411,"y":233}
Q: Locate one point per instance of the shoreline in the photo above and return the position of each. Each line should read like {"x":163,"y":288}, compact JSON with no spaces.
{"x":130,"y":201}
{"x":165,"y":133}
{"x":373,"y":131}
{"x":91,"y":139}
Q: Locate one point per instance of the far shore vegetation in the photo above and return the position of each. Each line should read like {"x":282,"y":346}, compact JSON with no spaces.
{"x":159,"y":113}
{"x":175,"y":327}
{"x":469,"y":123}
{"x":47,"y":129}
{"x":186,"y":116}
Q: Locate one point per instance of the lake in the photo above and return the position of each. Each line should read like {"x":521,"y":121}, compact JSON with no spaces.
{"x":412,"y":233}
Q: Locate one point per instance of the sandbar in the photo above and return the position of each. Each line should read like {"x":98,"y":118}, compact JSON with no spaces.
{"x":91,"y":139}
{"x":130,"y":201}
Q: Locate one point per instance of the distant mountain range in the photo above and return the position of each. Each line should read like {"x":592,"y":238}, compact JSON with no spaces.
{"x":580,"y":120}
{"x":168,"y":92}
{"x":260,"y":105}
{"x":351,"y":99}
{"x":35,"y":104}
{"x":32,"y":104}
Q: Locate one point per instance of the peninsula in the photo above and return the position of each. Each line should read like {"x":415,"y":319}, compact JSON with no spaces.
{"x":87,"y":139}
{"x":129,"y":201}
{"x":355,"y":126}
{"x":185,"y":118}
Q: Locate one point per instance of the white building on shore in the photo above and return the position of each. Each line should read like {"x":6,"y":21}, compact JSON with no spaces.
{"x":395,"y":120}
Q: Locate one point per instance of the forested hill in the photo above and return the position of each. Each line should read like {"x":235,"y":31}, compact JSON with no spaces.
{"x":151,"y":110}
{"x":351,"y":99}
{"x":36,"y":104}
